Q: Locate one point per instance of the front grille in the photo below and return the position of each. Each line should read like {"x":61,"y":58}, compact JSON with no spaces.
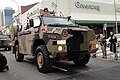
{"x":2,"y":43}
{"x":73,"y":43}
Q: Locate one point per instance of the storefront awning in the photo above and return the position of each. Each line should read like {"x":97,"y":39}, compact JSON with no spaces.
{"x":95,"y":22}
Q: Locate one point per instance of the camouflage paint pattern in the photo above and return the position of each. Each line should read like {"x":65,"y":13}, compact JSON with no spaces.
{"x":50,"y":35}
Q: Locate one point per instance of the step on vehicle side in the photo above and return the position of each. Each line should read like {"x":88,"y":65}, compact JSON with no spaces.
{"x":51,"y":38}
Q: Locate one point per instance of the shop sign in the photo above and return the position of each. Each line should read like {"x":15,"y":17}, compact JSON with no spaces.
{"x":32,"y":13}
{"x":87,"y":6}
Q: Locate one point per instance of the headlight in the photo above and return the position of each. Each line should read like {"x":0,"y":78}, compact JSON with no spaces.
{"x":97,"y":46}
{"x":61,"y":41}
{"x":10,"y":44}
{"x":60,"y":48}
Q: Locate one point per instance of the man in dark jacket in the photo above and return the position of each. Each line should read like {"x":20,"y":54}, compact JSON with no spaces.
{"x":113,"y":41}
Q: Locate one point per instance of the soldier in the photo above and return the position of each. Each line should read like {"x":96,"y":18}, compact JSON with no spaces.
{"x":113,"y":41}
{"x":46,"y":12}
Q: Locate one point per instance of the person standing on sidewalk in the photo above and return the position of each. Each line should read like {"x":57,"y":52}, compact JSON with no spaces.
{"x":113,"y":40}
{"x":102,"y":41}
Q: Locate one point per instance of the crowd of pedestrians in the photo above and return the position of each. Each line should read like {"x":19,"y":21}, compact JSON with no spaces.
{"x":113,"y":40}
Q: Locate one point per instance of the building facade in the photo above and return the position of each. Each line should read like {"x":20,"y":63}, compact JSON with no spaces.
{"x":88,"y":13}
{"x":8,"y":16}
{"x":1,"y":18}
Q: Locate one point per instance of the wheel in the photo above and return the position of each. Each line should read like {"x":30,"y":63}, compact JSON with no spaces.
{"x":6,"y":49}
{"x":18,"y":56}
{"x":83,"y":61}
{"x":13,"y":50}
{"x":9,"y":48}
{"x":43,"y":62}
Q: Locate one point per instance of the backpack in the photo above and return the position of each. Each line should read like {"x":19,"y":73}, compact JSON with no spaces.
{"x":3,"y":63}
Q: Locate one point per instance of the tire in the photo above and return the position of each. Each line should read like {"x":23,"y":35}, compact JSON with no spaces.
{"x":18,"y":56}
{"x":43,"y":62}
{"x":83,"y":61}
{"x":13,"y":49}
{"x":6,"y":49}
{"x":9,"y":48}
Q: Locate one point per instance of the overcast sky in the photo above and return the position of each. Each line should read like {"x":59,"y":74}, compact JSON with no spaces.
{"x":11,"y":3}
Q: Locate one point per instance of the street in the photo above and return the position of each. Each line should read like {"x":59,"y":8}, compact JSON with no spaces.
{"x":96,"y":69}
{"x":60,"y":30}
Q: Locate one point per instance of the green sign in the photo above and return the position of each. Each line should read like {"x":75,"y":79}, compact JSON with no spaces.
{"x":87,"y":6}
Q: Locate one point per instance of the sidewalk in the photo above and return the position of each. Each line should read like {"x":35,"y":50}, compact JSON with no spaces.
{"x":109,"y":53}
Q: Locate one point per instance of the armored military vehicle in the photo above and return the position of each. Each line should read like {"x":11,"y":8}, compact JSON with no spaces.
{"x":5,"y":41}
{"x":51,"y":38}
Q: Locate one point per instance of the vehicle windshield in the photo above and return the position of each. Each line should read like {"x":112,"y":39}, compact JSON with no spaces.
{"x":57,"y":21}
{"x":117,"y":35}
{"x":3,"y":36}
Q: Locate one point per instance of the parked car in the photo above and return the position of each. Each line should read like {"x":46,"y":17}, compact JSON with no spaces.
{"x":5,"y":42}
{"x":118,"y":40}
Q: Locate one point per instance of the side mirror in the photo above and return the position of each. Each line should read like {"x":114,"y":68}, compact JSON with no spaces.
{"x":20,"y":28}
{"x":31,"y":22}
{"x":36,"y":22}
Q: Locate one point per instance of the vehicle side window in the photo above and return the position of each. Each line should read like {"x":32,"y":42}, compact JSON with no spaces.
{"x":36,"y":22}
{"x":20,"y":28}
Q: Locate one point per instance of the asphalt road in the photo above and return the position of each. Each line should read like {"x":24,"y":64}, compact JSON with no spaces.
{"x":96,"y":69}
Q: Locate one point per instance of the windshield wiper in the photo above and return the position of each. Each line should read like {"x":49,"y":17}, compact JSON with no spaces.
{"x":64,"y":25}
{"x":57,"y":24}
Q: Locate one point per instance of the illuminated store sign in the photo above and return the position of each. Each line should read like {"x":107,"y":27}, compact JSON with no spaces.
{"x":30,"y":14}
{"x":87,"y":6}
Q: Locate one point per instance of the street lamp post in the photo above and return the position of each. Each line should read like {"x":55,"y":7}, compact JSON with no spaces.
{"x":16,"y":3}
{"x":17,"y":10}
{"x":115,"y":17}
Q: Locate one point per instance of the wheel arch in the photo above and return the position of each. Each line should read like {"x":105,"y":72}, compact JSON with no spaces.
{"x":16,"y":42}
{"x":36,"y":43}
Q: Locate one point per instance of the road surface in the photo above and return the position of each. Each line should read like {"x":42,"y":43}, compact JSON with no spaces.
{"x":96,"y":69}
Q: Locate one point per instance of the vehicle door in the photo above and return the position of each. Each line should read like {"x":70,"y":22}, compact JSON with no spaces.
{"x":21,"y":40}
{"x":30,"y":35}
